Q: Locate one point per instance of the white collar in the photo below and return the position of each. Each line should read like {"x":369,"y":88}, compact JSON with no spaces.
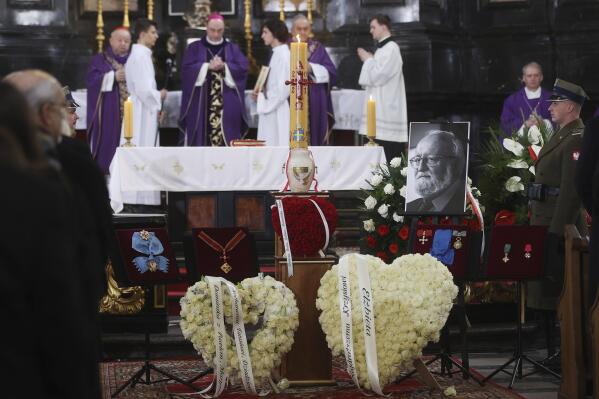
{"x":532,"y":94}
{"x":141,"y":47}
{"x":279,"y":47}
{"x":222,"y":39}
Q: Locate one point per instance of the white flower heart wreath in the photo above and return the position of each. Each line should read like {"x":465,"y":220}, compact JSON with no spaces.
{"x":266,"y":304}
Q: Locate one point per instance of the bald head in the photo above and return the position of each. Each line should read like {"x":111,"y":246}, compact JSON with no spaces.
{"x":45,"y":97}
{"x":302,"y":27}
{"x":120,"y":41}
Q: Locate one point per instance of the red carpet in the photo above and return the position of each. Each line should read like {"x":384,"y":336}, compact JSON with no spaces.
{"x":116,"y":373}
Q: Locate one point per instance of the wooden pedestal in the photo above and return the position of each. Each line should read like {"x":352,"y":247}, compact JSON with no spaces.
{"x":309,"y":362}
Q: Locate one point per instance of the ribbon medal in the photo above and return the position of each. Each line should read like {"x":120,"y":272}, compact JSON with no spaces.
{"x":506,"y":250}
{"x":424,"y":234}
{"x":528,"y":251}
{"x":457,"y":244}
{"x":147,"y":243}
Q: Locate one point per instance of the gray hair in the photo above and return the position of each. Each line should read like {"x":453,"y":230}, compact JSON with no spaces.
{"x":298,"y":18}
{"x":533,"y":64}
{"x":453,"y":143}
{"x":37,"y":86}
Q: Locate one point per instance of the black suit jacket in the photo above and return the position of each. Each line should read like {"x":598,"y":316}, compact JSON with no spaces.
{"x":455,"y":206}
{"x":587,"y":169}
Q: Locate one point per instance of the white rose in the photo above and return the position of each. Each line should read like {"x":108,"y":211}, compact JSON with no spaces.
{"x":370,"y":202}
{"x":397,"y":218}
{"x":534,"y":135}
{"x":376,"y":179}
{"x":513,"y":184}
{"x":404,"y":171}
{"x":383,"y":210}
{"x":518,"y":164}
{"x":514,"y":147}
{"x":389,"y":189}
{"x":403,"y":191}
{"x":450,"y":391}
{"x":369,"y":225}
{"x":395,"y":162}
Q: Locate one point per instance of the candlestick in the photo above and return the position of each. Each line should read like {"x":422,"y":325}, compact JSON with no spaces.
{"x":298,"y":122}
{"x":100,"y":26}
{"x":128,"y":122}
{"x":371,"y":121}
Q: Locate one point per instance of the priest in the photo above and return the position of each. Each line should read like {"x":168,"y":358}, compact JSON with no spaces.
{"x":324,"y":75}
{"x":106,"y":92}
{"x":213,"y":74}
{"x":525,"y":106}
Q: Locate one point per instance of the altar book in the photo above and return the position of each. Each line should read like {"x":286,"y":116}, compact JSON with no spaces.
{"x":261,"y":79}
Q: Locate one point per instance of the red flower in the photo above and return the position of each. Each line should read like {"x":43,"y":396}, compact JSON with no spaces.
{"x":383,"y":256}
{"x":505,"y":217}
{"x":371,"y":241}
{"x":393,"y":248}
{"x":383,"y":230}
{"x":404,"y":233}
{"x":444,"y":221}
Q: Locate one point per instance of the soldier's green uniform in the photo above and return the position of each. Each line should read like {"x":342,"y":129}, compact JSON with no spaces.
{"x":555,"y":169}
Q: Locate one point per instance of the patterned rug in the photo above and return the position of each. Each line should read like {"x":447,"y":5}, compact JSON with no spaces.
{"x":114,"y":374}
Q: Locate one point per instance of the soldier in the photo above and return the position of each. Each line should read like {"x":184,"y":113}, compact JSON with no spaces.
{"x":554,"y":200}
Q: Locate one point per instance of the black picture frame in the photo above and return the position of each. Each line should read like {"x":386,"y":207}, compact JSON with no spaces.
{"x":446,"y":182}
{"x":262,"y":8}
{"x":227,"y":8}
{"x":31,"y":4}
{"x":397,"y":3}
{"x":505,"y":3}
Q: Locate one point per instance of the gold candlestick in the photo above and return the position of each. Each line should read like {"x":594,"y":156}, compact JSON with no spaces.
{"x":100,"y":26}
{"x":128,"y":122}
{"x":371,"y":122}
{"x":282,"y":10}
{"x":309,"y":5}
{"x":126,"y":14}
{"x":151,"y":10}
{"x":247,"y":25}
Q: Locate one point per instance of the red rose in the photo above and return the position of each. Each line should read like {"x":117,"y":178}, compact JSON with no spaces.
{"x":371,"y":241}
{"x":393,"y":248}
{"x":382,"y":255}
{"x":383,"y":230}
{"x":404,"y":233}
{"x":505,"y":217}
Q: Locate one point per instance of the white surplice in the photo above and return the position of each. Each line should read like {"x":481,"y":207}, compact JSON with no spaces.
{"x":273,"y":108}
{"x":141,"y":82}
{"x":382,"y":78}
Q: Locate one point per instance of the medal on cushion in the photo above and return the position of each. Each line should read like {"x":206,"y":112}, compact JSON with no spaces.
{"x":423,"y":234}
{"x":506,"y":250}
{"x":528,"y":251}
{"x":457,"y":244}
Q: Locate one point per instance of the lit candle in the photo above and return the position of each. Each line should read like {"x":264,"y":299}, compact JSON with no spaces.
{"x":298,"y":104}
{"x":371,"y":118}
{"x":128,"y":118}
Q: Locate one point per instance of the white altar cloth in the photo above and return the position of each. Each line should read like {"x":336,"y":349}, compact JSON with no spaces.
{"x":347,"y":105}
{"x":232,"y":169}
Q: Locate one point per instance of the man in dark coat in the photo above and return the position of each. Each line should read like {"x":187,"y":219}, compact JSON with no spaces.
{"x":587,"y":182}
{"x":559,"y":203}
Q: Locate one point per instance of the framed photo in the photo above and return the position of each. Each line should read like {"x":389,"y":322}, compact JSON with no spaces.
{"x":437,"y":168}
{"x":108,"y":6}
{"x":270,"y":6}
{"x":31,"y":4}
{"x":179,"y":7}
{"x":383,"y":2}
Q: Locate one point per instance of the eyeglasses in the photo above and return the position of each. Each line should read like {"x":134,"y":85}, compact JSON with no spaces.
{"x":72,"y":110}
{"x":430,"y":161}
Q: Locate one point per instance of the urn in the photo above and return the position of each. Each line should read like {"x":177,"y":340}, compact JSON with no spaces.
{"x":300,"y":170}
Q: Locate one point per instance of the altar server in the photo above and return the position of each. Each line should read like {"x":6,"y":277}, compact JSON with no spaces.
{"x":106,"y":92}
{"x":272,"y":107}
{"x":383,"y":80}
{"x":214,"y":73}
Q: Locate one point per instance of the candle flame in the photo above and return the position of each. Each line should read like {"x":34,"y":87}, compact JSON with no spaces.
{"x":299,"y":40}
{"x":371,"y":99}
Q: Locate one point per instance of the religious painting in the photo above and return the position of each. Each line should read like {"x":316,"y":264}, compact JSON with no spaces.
{"x":31,"y":4}
{"x":437,"y":168}
{"x":179,"y":7}
{"x":109,"y":5}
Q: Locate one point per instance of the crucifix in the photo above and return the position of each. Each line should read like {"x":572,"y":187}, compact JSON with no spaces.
{"x":423,"y":239}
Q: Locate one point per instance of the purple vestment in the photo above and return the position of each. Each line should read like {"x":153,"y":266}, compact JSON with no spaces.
{"x":517,"y":108}
{"x":193,"y":120}
{"x":596,"y":114}
{"x":321,"y":114}
{"x":103,"y":109}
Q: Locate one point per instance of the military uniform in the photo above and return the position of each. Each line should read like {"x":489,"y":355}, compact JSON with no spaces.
{"x":555,"y":169}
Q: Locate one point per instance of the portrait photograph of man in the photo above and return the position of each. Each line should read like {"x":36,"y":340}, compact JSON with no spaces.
{"x":437,"y":168}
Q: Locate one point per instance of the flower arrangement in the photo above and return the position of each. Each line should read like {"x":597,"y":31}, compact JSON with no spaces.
{"x":412,"y":299}
{"x":305,"y":226}
{"x":508,"y":168}
{"x":387,"y":230}
{"x":267,"y":304}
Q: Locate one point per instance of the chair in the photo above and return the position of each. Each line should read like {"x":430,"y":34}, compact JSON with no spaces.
{"x":516,"y":253}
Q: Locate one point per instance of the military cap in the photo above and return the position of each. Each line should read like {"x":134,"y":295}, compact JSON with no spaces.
{"x":566,"y":91}
{"x":69,"y":97}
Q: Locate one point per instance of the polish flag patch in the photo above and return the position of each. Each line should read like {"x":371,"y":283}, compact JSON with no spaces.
{"x":575,"y":155}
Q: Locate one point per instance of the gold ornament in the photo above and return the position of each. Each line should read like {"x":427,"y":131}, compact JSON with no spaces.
{"x":122,"y":301}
